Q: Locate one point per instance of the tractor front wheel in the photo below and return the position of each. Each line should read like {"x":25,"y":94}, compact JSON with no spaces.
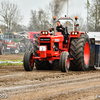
{"x":64,"y":62}
{"x":28,"y":61}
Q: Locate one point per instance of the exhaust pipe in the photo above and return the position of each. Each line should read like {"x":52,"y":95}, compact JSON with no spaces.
{"x":54,"y":18}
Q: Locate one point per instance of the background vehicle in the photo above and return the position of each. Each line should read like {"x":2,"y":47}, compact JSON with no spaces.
{"x":27,"y":42}
{"x":32,"y":36}
{"x":25,"y":45}
{"x":12,"y":42}
{"x":2,"y":43}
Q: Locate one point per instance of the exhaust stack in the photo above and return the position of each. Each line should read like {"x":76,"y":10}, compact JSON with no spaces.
{"x":54,"y":18}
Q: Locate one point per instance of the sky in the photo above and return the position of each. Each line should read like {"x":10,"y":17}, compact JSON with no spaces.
{"x":75,"y":7}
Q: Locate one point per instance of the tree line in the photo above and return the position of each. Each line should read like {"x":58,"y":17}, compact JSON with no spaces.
{"x":42,"y":19}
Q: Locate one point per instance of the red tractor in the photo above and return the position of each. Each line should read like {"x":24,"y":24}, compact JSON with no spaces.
{"x":49,"y":49}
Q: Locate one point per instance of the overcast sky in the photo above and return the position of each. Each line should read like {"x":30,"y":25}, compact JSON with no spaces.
{"x":75,"y":7}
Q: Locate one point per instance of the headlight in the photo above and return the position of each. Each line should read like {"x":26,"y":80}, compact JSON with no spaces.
{"x":44,"y":32}
{"x":73,"y":33}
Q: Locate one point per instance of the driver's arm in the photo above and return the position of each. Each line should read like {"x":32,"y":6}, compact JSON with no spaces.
{"x":58,"y":29}
{"x":51,"y":29}
{"x":63,"y":29}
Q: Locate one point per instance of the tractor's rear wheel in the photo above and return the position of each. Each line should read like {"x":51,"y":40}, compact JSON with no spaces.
{"x":28,"y":61}
{"x":41,"y":65}
{"x":80,"y":52}
{"x":64,"y":62}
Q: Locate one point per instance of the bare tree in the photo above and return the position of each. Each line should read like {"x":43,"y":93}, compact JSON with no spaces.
{"x":18,"y":28}
{"x":3,"y":27}
{"x":94,"y":16}
{"x":10,"y":14}
{"x":33,"y":21}
{"x":39,"y":20}
{"x":43,"y":19}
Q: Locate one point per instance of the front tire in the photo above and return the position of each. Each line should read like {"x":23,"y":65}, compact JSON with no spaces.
{"x":64,"y":62}
{"x":28,"y":61}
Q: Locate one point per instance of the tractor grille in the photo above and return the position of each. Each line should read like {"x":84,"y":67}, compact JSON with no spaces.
{"x":44,"y":39}
{"x":47,"y":44}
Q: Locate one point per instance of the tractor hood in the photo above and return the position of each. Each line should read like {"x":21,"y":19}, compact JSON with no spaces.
{"x":49,"y":45}
{"x":51,"y":38}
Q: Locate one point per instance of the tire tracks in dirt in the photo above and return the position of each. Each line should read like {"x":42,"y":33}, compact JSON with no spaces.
{"x":54,"y":88}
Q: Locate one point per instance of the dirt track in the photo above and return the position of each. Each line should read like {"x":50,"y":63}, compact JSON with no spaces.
{"x":47,"y":85}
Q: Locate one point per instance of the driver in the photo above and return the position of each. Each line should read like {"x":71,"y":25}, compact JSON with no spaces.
{"x":62,"y":29}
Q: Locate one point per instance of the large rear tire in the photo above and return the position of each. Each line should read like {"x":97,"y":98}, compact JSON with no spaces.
{"x":80,"y":52}
{"x":41,"y":65}
{"x":28,"y":61}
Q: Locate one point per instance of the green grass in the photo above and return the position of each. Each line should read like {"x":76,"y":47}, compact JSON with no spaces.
{"x":6,"y":64}
{"x":12,"y":60}
{"x":12,"y":63}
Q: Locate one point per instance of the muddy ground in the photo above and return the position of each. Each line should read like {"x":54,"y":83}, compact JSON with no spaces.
{"x":16,"y":84}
